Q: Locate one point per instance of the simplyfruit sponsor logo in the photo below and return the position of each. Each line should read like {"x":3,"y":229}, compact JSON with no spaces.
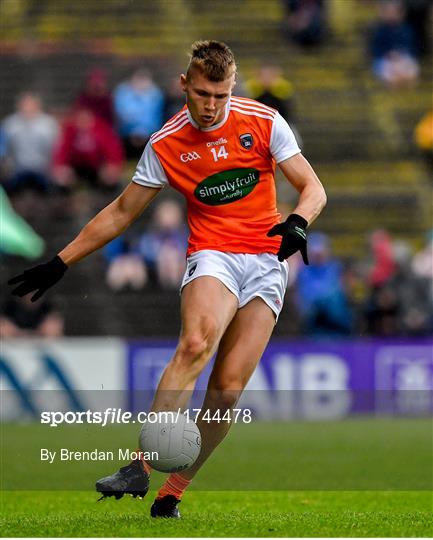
{"x":227,"y":186}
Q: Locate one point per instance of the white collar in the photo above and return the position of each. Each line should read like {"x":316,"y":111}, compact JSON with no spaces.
{"x":215,"y":126}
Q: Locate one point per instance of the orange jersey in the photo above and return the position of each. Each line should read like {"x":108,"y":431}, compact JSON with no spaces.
{"x":226,"y":173}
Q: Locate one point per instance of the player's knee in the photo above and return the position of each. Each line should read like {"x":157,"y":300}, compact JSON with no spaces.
{"x":195,"y":345}
{"x":194,"y":348}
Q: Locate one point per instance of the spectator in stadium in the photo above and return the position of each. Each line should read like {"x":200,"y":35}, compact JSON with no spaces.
{"x":382,"y":265}
{"x":305,"y":21}
{"x":272,"y":89}
{"x":392,"y":46}
{"x":96,"y":97}
{"x":22,"y":318}
{"x":158,"y":254}
{"x":381,"y":304}
{"x":422,"y":264}
{"x":29,"y":139}
{"x":174,"y":98}
{"x":356,"y":290}
{"x":126,"y":267}
{"x":139,"y":107}
{"x":382,"y":311}
{"x":322,"y":299}
{"x":88,"y":149}
{"x":419,"y":17}
{"x":424,"y":137}
{"x":413,"y":295}
{"x":163,"y":246}
{"x":399,"y":301}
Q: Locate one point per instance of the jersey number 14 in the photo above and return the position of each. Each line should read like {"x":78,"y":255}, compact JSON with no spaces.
{"x":219,"y":153}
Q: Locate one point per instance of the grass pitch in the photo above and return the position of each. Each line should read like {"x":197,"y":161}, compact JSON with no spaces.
{"x":216,"y":514}
{"x":358,"y":477}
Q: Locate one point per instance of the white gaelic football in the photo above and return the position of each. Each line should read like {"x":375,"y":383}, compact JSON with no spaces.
{"x":174,"y":439}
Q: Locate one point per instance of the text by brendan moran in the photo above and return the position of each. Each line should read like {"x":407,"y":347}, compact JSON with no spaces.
{"x":122,"y":454}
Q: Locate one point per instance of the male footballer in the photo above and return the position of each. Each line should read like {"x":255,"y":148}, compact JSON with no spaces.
{"x":220,"y":152}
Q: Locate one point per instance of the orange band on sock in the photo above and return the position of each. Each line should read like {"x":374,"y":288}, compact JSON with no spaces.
{"x":147,"y":468}
{"x":174,"y":485}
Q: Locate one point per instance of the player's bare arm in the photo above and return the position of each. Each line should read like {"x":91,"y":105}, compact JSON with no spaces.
{"x":301,"y":175}
{"x":106,"y":225}
{"x":109,"y":223}
{"x":311,"y":201}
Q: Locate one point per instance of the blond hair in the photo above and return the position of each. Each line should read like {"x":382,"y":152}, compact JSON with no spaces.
{"x":213,"y":59}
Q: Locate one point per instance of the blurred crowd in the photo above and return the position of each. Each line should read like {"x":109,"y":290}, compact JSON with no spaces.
{"x":106,"y":126}
{"x":389,"y":293}
{"x":399,"y":39}
{"x":395,"y":44}
{"x":105,"y":129}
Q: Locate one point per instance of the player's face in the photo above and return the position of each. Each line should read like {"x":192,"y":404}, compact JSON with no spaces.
{"x":206,"y":99}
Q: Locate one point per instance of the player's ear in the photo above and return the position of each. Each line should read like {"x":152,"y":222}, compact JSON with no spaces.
{"x":183,"y":82}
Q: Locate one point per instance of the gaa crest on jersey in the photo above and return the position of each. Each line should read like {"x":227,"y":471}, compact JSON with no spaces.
{"x":247,"y":141}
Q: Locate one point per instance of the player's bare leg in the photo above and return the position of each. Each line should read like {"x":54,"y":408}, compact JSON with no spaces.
{"x":239,"y":352}
{"x":207,"y":307}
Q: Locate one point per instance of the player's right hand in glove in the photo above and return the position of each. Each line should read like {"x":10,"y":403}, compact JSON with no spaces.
{"x":39,"y":278}
{"x":294,"y":237}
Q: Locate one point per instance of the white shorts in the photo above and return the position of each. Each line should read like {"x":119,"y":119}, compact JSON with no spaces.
{"x":247,"y":276}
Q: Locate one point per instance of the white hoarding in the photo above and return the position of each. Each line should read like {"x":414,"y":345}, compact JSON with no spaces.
{"x":40,"y":374}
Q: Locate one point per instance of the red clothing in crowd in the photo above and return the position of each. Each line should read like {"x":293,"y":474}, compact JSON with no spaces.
{"x":96,"y":96}
{"x":89,"y":142}
{"x":383,"y":258}
{"x":102,"y":106}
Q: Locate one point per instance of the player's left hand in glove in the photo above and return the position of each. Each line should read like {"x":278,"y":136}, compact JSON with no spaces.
{"x":294,"y":237}
{"x":39,"y":278}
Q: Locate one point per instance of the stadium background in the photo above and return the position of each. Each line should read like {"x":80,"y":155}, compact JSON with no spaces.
{"x":358,"y":135}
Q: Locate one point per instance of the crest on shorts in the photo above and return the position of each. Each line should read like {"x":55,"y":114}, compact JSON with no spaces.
{"x":192,"y":270}
{"x":247,"y":141}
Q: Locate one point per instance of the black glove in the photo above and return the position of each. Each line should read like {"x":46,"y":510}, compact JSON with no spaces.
{"x":39,"y":278}
{"x":294,"y":237}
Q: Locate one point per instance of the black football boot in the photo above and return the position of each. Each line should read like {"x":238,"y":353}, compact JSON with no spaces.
{"x":165,"y":507}
{"x":131,"y":479}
